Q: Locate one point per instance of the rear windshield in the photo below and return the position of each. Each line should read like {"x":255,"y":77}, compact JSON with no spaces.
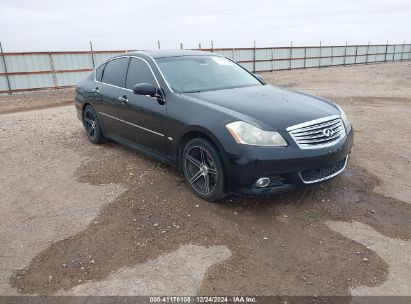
{"x":189,"y":74}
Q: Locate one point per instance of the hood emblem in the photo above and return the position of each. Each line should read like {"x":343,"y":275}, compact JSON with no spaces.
{"x":328,"y":132}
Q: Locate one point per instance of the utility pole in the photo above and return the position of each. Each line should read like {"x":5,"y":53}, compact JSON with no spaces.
{"x":254,"y":58}
{"x":319,"y":57}
{"x":92,"y":55}
{"x":345,"y":53}
{"x":368,"y":51}
{"x":5,"y":68}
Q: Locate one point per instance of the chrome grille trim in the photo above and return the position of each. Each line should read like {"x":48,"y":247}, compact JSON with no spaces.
{"x":312,"y":122}
{"x":309,"y":135}
{"x":316,"y":126}
{"x":314,"y":133}
{"x":317,"y":140}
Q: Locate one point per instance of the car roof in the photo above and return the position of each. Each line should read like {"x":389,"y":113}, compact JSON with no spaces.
{"x":172,"y":53}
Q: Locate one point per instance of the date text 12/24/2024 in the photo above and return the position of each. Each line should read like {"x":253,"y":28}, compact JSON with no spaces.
{"x":203,"y":299}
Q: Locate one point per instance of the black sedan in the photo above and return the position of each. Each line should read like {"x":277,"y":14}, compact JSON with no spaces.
{"x":227,"y":130}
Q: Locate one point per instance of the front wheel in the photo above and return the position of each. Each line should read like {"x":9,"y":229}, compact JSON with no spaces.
{"x":203,"y":169}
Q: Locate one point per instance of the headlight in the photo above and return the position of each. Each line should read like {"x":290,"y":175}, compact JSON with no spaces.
{"x":344,"y":118}
{"x":247,"y":134}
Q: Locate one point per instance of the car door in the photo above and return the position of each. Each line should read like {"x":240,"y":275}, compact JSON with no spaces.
{"x":143,"y":116}
{"x":112,"y":77}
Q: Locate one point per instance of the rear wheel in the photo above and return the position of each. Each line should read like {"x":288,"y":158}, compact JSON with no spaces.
{"x":203,"y":169}
{"x":92,"y":125}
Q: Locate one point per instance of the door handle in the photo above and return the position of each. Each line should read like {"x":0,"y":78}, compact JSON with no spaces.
{"x":123,"y":99}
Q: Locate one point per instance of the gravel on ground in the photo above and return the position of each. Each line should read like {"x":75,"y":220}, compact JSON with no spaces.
{"x":78,"y":218}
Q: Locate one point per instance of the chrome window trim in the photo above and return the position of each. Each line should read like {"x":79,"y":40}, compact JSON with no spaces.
{"x":152,"y":72}
{"x":126,"y":56}
{"x":327,"y":177}
{"x":131,"y":124}
{"x":161,"y":73}
{"x":105,"y":62}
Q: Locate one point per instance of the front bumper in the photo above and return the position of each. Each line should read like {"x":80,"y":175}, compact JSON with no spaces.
{"x":284,"y":166}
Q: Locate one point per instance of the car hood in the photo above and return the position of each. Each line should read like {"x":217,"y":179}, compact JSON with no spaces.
{"x":268,"y":106}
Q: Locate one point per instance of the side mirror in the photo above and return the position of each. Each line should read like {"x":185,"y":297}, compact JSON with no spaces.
{"x":259,"y":77}
{"x":149,"y":90}
{"x":145,"y":89}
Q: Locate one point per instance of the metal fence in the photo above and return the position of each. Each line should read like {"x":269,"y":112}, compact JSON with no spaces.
{"x":44,"y":70}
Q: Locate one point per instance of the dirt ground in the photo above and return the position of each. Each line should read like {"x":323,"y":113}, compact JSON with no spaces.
{"x":35,"y":100}
{"x":81,"y":219}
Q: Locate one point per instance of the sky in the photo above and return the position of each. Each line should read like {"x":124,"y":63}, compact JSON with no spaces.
{"x":53,"y":25}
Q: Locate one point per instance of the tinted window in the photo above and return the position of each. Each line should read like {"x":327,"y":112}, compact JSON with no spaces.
{"x":139,"y":72}
{"x":99,"y":72}
{"x":115,"y":72}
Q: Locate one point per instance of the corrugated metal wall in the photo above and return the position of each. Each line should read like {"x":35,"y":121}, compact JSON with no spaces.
{"x":37,"y":70}
{"x":270,"y":59}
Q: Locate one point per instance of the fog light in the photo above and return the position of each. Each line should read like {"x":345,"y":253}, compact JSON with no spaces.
{"x":262,"y":182}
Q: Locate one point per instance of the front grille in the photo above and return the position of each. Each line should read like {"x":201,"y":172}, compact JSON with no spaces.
{"x":320,"y":174}
{"x":319,"y":133}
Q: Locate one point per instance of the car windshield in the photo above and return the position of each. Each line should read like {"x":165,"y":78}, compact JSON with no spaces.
{"x":189,"y":74}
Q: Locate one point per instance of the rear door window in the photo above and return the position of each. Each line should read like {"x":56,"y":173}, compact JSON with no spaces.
{"x":115,"y":72}
{"x":139,"y":72}
{"x":99,"y":72}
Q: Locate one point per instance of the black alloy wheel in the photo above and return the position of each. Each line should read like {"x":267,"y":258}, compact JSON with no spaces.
{"x":92,"y":125}
{"x":203,"y":169}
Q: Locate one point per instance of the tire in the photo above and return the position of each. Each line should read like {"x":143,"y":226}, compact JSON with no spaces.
{"x":92,"y":125}
{"x":203,"y":169}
